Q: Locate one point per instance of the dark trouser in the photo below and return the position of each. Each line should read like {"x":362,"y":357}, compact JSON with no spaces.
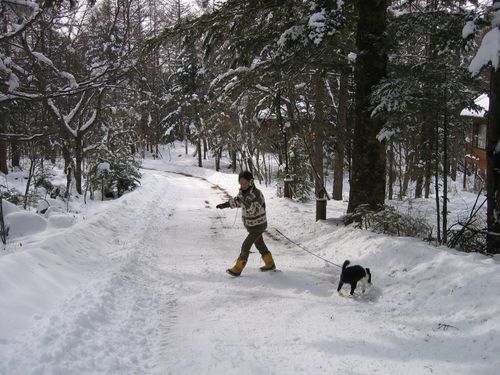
{"x":253,"y":238}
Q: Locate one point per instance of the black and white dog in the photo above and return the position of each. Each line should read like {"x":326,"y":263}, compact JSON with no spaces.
{"x":354,"y":274}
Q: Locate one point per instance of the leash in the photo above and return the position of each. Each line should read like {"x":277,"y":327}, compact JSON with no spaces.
{"x":224,"y":224}
{"x":307,"y":251}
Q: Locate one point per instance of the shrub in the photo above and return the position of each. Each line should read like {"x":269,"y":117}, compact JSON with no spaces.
{"x":388,"y":220}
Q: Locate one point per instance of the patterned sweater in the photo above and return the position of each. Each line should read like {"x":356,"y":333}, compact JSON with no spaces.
{"x":253,"y":208}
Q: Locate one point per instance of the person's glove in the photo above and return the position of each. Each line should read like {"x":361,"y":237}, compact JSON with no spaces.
{"x":222,"y":205}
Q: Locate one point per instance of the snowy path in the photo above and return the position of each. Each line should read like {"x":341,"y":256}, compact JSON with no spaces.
{"x":161,"y":303}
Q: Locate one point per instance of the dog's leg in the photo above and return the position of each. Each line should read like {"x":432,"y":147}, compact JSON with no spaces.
{"x":366,"y":284}
{"x":340,"y":286}
{"x":353,"y":287}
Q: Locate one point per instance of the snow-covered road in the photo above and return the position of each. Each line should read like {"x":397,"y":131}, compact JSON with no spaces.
{"x":156,"y":300}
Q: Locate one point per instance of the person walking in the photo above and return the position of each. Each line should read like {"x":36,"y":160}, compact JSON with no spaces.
{"x":253,"y":212}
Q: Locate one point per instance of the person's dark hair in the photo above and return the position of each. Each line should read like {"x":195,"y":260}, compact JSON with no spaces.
{"x":246,"y":175}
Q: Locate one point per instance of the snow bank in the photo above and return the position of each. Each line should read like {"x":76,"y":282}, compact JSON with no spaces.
{"x":8,"y":207}
{"x":46,"y":259}
{"x":24,"y":223}
{"x":60,"y":221}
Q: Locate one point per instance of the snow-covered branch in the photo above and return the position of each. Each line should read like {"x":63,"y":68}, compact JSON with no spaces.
{"x":70,"y":118}
{"x":89,"y":122}
{"x":488,"y":52}
{"x":36,"y":12}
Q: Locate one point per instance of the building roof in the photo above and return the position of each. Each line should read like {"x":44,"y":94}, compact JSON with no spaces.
{"x":482,"y":101}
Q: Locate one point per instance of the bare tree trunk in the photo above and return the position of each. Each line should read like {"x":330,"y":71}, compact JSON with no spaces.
{"x":318,"y":134}
{"x":408,"y":171}
{"x":445,"y":167}
{"x":66,"y":156}
{"x":186,"y":151}
{"x":426,"y":157}
{"x":234,"y":155}
{"x":78,"y":164}
{"x":419,"y":186}
{"x":338,"y":171}
{"x":493,"y":157}
{"x":69,"y":172}
{"x":249,"y":162}
{"x":266,"y":176}
{"x":436,"y":187}
{"x":428,"y":177}
{"x":280,"y":155}
{"x":455,"y":150}
{"x":3,"y":154}
{"x":3,"y":125}
{"x":16,"y":153}
{"x":3,"y":230}
{"x":30,"y":178}
{"x":368,"y":159}
{"x":218,"y":156}
{"x":390,"y":167}
{"x":198,"y":150}
{"x":284,"y":129}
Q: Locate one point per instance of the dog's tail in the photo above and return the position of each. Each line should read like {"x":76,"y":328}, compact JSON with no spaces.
{"x":344,"y":266}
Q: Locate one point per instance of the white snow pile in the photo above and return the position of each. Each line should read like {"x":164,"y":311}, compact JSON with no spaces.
{"x":60,"y":221}
{"x":42,"y":58}
{"x":103,"y":167}
{"x":13,"y":82}
{"x":71,"y":79}
{"x":487,"y":53}
{"x":21,"y":223}
{"x":291,"y":34}
{"x":489,"y":50}
{"x":317,"y":24}
{"x":351,"y":57}
{"x":137,"y":286}
{"x":468,"y":29}
{"x":24,"y":223}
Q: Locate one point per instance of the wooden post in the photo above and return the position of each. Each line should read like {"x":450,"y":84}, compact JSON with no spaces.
{"x":465,"y":173}
{"x":3,"y":230}
{"x":320,"y":209}
{"x":288,"y":187}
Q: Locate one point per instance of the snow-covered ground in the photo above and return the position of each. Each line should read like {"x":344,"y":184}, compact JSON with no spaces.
{"x":137,"y":286}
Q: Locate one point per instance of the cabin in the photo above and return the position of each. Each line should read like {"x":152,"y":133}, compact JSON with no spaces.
{"x":475,"y":143}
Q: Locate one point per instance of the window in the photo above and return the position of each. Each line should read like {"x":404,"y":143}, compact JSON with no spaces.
{"x":481,"y":136}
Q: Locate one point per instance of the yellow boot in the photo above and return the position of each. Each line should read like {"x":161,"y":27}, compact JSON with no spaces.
{"x":237,"y":268}
{"x":269,"y":263}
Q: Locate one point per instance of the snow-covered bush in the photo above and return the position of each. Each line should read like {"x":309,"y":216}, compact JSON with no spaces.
{"x":299,"y":170}
{"x":112,"y":177}
{"x":468,"y":234}
{"x":469,"y":239}
{"x":43,"y":179}
{"x":388,"y":220}
{"x":12,"y":195}
{"x":112,"y":172}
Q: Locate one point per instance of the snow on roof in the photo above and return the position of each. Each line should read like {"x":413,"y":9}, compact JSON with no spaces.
{"x":483,"y":101}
